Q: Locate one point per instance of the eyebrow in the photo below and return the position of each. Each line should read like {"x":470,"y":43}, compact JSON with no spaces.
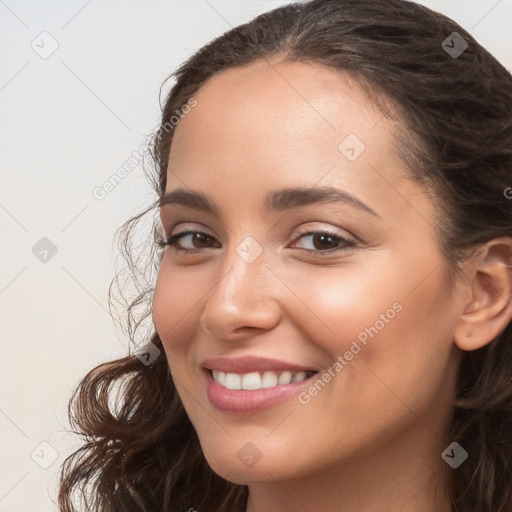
{"x":276,"y":201}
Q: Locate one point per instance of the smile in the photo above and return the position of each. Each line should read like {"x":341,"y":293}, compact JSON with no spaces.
{"x":258,"y":380}
{"x":281,"y":386}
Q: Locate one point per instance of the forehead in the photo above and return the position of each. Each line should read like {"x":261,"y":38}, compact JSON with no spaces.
{"x":274,"y":124}
{"x":281,"y":109}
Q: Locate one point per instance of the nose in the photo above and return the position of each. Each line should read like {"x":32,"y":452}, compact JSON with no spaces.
{"x":243,"y":300}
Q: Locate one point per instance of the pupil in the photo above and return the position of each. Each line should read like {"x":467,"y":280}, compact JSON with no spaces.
{"x":323,"y":238}
{"x":200,"y":238}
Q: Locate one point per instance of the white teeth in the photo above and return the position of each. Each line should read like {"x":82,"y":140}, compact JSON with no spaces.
{"x":285,"y":378}
{"x":269,"y":380}
{"x":299,"y":376}
{"x":233,"y":381}
{"x":219,"y":376}
{"x":251,"y":381}
{"x":254,"y":380}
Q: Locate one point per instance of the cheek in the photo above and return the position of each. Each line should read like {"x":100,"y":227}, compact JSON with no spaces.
{"x":395,"y":347}
{"x":177,"y":304}
{"x":393,"y":335}
{"x":334,"y":306}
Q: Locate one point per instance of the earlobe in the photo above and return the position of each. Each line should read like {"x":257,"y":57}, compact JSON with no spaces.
{"x":489,"y":309}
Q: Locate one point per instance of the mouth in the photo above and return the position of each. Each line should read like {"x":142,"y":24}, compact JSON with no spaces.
{"x":258,"y":379}
{"x":253,"y":392}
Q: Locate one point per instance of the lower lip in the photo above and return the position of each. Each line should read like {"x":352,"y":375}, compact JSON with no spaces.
{"x":241,"y":401}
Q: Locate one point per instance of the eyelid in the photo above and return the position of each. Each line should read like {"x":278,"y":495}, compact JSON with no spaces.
{"x":182,"y":234}
{"x":302,"y":231}
{"x":327,"y":230}
{"x":186,"y":227}
{"x":345,"y":243}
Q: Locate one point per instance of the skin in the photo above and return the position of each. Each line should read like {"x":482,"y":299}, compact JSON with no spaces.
{"x":372,"y":438}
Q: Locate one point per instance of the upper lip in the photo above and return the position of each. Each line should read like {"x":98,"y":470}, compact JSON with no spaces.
{"x":249,"y":364}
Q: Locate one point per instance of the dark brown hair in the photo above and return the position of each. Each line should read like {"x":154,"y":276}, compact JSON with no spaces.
{"x":141,"y":452}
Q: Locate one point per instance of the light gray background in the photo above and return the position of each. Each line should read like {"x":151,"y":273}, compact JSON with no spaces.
{"x":67,"y":123}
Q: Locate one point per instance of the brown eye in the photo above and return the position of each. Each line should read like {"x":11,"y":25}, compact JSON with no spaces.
{"x":322,"y":242}
{"x":196,"y":240}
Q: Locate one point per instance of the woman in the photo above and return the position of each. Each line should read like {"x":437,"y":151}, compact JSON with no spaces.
{"x":332,"y":312}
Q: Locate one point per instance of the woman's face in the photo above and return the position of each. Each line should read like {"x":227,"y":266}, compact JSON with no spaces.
{"x":371,"y":311}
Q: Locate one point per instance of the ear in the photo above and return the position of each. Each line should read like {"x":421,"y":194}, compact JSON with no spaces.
{"x":488,"y":310}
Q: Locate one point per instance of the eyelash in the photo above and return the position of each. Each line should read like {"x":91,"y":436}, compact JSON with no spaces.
{"x":347,"y":243}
